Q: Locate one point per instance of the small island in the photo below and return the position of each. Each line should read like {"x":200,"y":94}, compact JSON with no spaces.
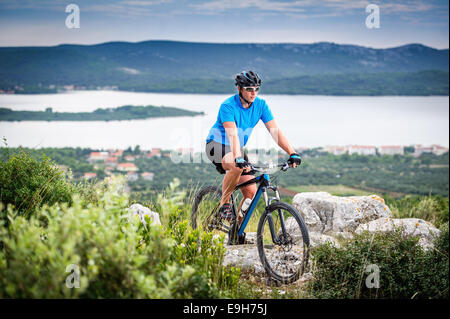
{"x":127,"y":112}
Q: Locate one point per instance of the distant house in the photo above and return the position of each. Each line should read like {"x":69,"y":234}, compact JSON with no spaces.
{"x":97,"y":157}
{"x":439,"y":150}
{"x":117,"y":153}
{"x":127,"y":167}
{"x":148,"y":176}
{"x":336,"y":150}
{"x":129,"y":158}
{"x":111,"y":161}
{"x":419,"y":150}
{"x":391,"y":150}
{"x":154,"y":152}
{"x":362,"y":150}
{"x":90,"y":175}
{"x":132,"y":176}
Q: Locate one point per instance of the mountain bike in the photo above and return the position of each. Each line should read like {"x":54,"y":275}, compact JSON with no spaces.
{"x":282,"y":237}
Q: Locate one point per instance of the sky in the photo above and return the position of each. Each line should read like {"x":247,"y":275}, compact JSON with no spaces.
{"x":43,"y":22}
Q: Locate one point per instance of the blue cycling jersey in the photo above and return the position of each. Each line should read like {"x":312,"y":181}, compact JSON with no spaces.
{"x":232,"y":110}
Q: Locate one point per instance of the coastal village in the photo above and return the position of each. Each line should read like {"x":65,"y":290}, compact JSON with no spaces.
{"x":113,"y":161}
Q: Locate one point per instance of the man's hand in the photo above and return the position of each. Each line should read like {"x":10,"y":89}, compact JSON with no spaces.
{"x":294,"y":160}
{"x":241,"y":162}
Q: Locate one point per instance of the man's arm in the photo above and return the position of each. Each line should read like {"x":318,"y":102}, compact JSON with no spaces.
{"x":279,"y":137}
{"x":231,"y":129}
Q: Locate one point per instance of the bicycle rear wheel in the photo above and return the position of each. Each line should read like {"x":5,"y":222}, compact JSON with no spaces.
{"x":283,"y":242}
{"x":205,"y":215}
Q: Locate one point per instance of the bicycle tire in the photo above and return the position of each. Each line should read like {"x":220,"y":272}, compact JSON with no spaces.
{"x":207,"y":190}
{"x":299,"y":256}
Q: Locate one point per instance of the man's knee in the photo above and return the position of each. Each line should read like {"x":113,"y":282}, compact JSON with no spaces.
{"x":229,"y":165}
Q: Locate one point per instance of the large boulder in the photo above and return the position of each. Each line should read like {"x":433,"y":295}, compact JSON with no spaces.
{"x":409,"y":226}
{"x":334,"y":215}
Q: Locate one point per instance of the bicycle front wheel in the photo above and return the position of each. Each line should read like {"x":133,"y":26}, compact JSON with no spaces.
{"x":283,"y":242}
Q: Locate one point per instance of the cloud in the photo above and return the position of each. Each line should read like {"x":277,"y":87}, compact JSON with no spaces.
{"x":144,"y":3}
{"x":263,"y":5}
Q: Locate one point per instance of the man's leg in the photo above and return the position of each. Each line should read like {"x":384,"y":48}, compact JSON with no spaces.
{"x":248,"y":191}
{"x":230,"y":179}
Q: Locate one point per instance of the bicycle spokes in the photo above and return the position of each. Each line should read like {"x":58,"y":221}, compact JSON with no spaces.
{"x":283,"y":248}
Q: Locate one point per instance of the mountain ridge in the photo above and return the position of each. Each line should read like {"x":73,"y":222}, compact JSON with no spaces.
{"x":153,"y":62}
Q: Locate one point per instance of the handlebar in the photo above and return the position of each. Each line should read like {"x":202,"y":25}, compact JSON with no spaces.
{"x":284,"y":166}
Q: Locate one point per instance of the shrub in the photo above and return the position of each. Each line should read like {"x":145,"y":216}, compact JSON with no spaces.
{"x":433,"y":208}
{"x":406,"y":271}
{"x":28,"y":183}
{"x":117,"y":256}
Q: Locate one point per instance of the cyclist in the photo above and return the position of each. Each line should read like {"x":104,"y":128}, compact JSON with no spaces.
{"x":237,"y":117}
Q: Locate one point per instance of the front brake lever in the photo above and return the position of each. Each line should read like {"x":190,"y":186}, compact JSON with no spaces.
{"x":285,"y":167}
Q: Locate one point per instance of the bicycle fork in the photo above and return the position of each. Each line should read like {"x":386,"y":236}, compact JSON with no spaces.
{"x":278,"y":240}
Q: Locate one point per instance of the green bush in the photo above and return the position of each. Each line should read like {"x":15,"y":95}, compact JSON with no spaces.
{"x":28,"y":183}
{"x":406,"y":271}
{"x":433,"y":208}
{"x":118,"y":257}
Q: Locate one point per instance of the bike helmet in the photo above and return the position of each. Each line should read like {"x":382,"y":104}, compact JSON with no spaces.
{"x":247,"y":78}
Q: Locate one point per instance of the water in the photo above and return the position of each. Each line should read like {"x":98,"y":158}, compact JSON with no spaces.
{"x":307,"y":121}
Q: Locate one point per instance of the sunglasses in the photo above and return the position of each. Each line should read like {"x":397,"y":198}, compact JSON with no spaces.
{"x":251,"y":89}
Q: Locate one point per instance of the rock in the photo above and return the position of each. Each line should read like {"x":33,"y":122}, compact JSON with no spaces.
{"x":315,"y":238}
{"x":250,"y":238}
{"x":410,"y":227}
{"x":306,"y":277}
{"x":245,"y":257}
{"x":143,"y":211}
{"x":334,"y":215}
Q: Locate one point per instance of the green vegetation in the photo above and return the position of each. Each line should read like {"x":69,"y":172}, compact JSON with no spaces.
{"x":28,"y":184}
{"x":385,"y":175}
{"x":432,"y":208}
{"x":405,"y":270}
{"x":414,"y":83}
{"x":127,"y":112}
{"x":119,"y":257}
{"x":365,"y":84}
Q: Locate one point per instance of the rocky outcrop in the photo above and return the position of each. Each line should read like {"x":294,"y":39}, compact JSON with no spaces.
{"x":328,"y":217}
{"x":409,"y":226}
{"x":331,"y":215}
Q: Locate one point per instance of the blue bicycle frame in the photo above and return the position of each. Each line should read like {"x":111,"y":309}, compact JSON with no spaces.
{"x":264,"y":183}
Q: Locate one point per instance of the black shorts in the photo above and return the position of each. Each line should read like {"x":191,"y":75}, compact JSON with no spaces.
{"x":216,"y":151}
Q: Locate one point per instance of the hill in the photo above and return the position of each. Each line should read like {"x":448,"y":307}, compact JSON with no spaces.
{"x":171,"y":65}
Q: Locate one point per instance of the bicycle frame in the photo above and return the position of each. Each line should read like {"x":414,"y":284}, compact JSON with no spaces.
{"x":264,"y":184}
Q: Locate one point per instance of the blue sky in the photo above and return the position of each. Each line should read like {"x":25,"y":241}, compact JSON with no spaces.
{"x":42,"y":22}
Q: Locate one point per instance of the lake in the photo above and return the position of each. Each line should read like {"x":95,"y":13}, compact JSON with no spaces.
{"x":307,"y":121}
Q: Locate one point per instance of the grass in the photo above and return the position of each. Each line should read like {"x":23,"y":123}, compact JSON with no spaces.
{"x":337,"y":190}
